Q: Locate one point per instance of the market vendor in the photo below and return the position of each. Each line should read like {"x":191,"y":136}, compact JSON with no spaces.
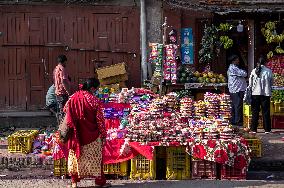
{"x":237,"y":85}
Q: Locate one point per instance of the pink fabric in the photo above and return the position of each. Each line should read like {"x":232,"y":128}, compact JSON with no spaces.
{"x":59,"y":75}
{"x":85,"y":119}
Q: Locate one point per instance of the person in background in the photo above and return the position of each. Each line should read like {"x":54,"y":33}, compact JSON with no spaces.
{"x":261,"y":81}
{"x":237,"y":86}
{"x":50,"y":99}
{"x":87,"y":133}
{"x":62,"y":85}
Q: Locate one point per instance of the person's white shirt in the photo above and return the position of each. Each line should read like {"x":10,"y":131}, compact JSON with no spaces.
{"x":261,"y":85}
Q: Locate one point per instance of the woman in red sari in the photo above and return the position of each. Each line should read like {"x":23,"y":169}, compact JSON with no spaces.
{"x":86,"y":135}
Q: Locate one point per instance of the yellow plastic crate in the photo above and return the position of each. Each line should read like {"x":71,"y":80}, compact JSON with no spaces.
{"x":178,"y":164}
{"x":60,"y":167}
{"x":255,"y":146}
{"x":142,"y":168}
{"x":22,"y":141}
{"x":110,"y":71}
{"x":278,"y":108}
{"x":247,"y":110}
{"x":117,"y":168}
{"x":247,"y":122}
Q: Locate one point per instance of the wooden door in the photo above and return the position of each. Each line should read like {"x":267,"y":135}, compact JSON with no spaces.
{"x":15,"y":77}
{"x":36,"y":78}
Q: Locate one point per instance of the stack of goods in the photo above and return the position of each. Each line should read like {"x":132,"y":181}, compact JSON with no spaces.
{"x":277,"y":96}
{"x":227,"y":133}
{"x":208,"y":77}
{"x":185,"y":75}
{"x":113,"y":75}
{"x":200,"y":109}
{"x":170,"y":64}
{"x":110,"y":113}
{"x":114,"y":133}
{"x":136,"y":97}
{"x":113,"y":98}
{"x":105,"y":93}
{"x":125,"y":95}
{"x":147,"y":127}
{"x":156,"y":108}
{"x":186,"y":107}
{"x":196,"y":127}
{"x":210,"y":133}
{"x":225,"y":107}
{"x":276,"y":64}
{"x":170,"y":101}
{"x":212,"y":104}
{"x":183,"y":93}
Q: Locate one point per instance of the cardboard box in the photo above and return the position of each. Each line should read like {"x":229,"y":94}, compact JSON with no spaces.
{"x":114,"y":79}
{"x":111,"y":71}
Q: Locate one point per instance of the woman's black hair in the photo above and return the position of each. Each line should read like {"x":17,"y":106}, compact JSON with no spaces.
{"x":232,"y":58}
{"x":61,"y":58}
{"x":261,"y":61}
{"x":91,"y":83}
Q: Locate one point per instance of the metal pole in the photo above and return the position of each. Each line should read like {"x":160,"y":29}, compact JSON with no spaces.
{"x":251,"y":46}
{"x":143,"y":40}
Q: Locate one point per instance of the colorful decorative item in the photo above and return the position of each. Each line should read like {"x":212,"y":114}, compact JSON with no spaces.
{"x":187,"y":46}
{"x":170,"y":65}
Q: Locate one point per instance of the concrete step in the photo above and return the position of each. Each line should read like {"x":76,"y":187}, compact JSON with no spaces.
{"x":265,"y":175}
{"x":27,"y":119}
{"x":267,"y":165}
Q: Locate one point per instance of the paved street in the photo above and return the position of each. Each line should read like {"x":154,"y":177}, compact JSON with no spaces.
{"x":58,"y":183}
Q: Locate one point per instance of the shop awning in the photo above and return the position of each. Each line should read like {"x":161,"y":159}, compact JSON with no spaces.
{"x":230,"y":6}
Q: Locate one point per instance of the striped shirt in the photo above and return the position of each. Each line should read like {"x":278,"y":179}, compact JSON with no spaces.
{"x":236,"y":79}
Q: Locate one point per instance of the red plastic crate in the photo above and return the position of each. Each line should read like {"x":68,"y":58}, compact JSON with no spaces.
{"x":228,"y":172}
{"x":202,"y":169}
{"x":277,"y":122}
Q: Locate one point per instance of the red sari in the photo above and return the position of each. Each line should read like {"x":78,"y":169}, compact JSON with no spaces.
{"x":85,"y":119}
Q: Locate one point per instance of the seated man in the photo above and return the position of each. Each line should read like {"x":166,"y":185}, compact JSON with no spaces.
{"x":51,"y":102}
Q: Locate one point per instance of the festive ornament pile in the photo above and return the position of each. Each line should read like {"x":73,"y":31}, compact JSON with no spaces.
{"x":227,"y":133}
{"x":212,"y":104}
{"x":156,"y":108}
{"x":225,"y":107}
{"x":148,"y":128}
{"x":170,"y":101}
{"x":200,"y":109}
{"x":186,"y":107}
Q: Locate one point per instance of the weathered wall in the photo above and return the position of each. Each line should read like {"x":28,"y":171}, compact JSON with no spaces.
{"x":154,"y":14}
{"x":78,"y":2}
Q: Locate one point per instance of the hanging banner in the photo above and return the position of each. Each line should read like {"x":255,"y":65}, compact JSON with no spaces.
{"x":187,"y":46}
